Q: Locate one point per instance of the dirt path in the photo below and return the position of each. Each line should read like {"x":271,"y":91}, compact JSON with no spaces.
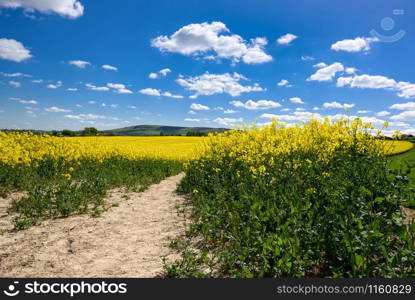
{"x":126,"y":241}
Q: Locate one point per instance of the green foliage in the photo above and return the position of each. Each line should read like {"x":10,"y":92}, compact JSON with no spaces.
{"x":67,"y":132}
{"x":295,"y":221}
{"x":90,"y":131}
{"x":53,"y":191}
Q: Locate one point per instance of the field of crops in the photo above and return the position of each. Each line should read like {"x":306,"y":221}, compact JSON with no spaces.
{"x":313,"y":200}
{"x":317,"y":199}
{"x":64,"y":176}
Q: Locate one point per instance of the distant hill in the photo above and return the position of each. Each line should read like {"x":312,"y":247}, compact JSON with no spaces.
{"x":151,"y":130}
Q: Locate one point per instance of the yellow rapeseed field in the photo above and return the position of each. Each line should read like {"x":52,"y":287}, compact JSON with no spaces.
{"x":27,"y":148}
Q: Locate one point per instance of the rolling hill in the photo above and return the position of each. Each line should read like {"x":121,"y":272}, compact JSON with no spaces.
{"x":151,"y":130}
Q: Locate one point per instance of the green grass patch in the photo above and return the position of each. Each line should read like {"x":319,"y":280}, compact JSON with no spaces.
{"x":55,"y":189}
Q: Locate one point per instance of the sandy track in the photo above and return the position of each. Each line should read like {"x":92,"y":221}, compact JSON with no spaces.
{"x":126,"y":241}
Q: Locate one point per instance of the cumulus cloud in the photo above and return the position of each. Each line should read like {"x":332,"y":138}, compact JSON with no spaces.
{"x":109,"y":105}
{"x":18,"y":74}
{"x":56,"y":85}
{"x":403,"y":106}
{"x":90,"y":117}
{"x":161,"y":73}
{"x":307,"y":58}
{"x":119,"y":88}
{"x":356,"y":45}
{"x":229,"y":111}
{"x":382,"y":113}
{"x":109,"y":67}
{"x":296,"y":100}
{"x":258,"y":105}
{"x":192,"y":120}
{"x":335,"y":104}
{"x":97,"y":88}
{"x":156,"y":92}
{"x":15,"y":84}
{"x":405,"y":89}
{"x":363,"y":111}
{"x":56,"y":109}
{"x":72,"y":89}
{"x":325,"y":72}
{"x":37,"y":80}
{"x":228,"y":121}
{"x":66,"y":8}
{"x":211,"y":41}
{"x":13,"y":50}
{"x":79,"y":63}
{"x":286,"y":39}
{"x":197,"y":106}
{"x":284,"y":82}
{"x":23,"y":101}
{"x":209,"y":84}
{"x":408,"y":115}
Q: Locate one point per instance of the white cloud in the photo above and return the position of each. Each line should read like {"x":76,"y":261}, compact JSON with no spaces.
{"x":296,"y":100}
{"x":109,"y":105}
{"x":307,"y":58}
{"x":37,"y":80}
{"x":119,"y":88}
{"x":54,"y":86}
{"x":297,"y":116}
{"x":66,"y":8}
{"x":286,"y":109}
{"x":90,"y":117}
{"x":79,"y":63}
{"x":24,"y":101}
{"x":229,"y":111}
{"x":363,"y":111}
{"x":192,"y":120}
{"x":335,"y":104}
{"x":72,"y":89}
{"x":15,"y":84}
{"x":165,"y":71}
{"x":150,"y":92}
{"x":92,"y":102}
{"x":382,"y":113}
{"x":350,"y":70}
{"x":78,"y":105}
{"x":258,"y":105}
{"x":131,"y":106}
{"x":18,"y":74}
{"x":191,"y":112}
{"x":326,"y":73}
{"x":153,"y":76}
{"x":228,"y":121}
{"x":284,"y":82}
{"x":286,"y":39}
{"x":156,"y":92}
{"x":109,"y":67}
{"x":209,"y":84}
{"x":405,"y":89}
{"x":13,"y":50}
{"x":56,"y":109}
{"x":403,"y":106}
{"x":367,"y":81}
{"x":320,"y":65}
{"x":208,"y":38}
{"x":197,"y":106}
{"x":162,"y":72}
{"x":356,"y":45}
{"x":408,"y":115}
{"x":168,"y":94}
{"x":97,"y":88}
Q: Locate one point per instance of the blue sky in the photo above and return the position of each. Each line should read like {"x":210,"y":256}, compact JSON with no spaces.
{"x":205,"y":63}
